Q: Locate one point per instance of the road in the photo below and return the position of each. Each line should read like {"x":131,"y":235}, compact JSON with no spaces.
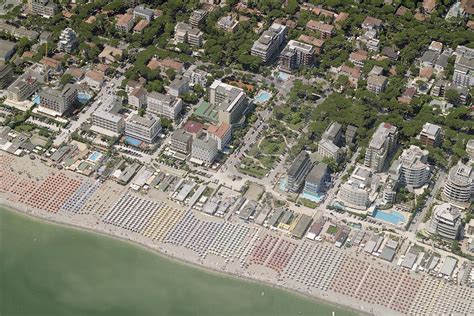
{"x":415,"y":225}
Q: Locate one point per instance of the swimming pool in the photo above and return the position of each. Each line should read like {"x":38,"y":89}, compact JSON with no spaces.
{"x":132,"y":141}
{"x":283,"y":76}
{"x":393,"y":217}
{"x":95,"y":156}
{"x":282,"y":184}
{"x":315,"y":198}
{"x":36,"y":99}
{"x":262,"y":97}
{"x":83,"y":97}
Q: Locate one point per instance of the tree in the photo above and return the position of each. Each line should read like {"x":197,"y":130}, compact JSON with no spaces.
{"x":65,"y":79}
{"x":452,"y":96}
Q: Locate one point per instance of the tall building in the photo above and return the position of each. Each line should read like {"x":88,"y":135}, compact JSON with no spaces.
{"x":232,"y":101}
{"x":58,"y":100}
{"x":445,"y":221}
{"x":181,"y":141}
{"x":185,"y":33}
{"x":204,"y":149}
{"x":463,"y":74}
{"x":222,"y":133}
{"x":430,"y":135}
{"x":269,"y":42}
{"x":6,"y":76}
{"x":106,"y":119}
{"x":358,"y":191}
{"x":197,"y":18}
{"x":328,"y":146}
{"x":23,"y":87}
{"x":46,"y":8}
{"x":383,"y":142}
{"x":296,"y":54}
{"x":298,"y":171}
{"x":164,"y":104}
{"x":314,"y":182}
{"x":414,"y":169}
{"x":145,"y":129}
{"x":459,"y":185}
{"x":68,"y":41}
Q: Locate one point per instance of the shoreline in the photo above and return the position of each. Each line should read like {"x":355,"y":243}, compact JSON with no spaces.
{"x":10,"y":207}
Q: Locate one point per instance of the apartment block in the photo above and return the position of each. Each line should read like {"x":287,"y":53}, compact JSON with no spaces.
{"x":106,"y":119}
{"x":145,"y":128}
{"x":297,"y":172}
{"x":232,"y":101}
{"x":430,"y":135}
{"x":296,"y":54}
{"x":181,"y":141}
{"x":23,"y":87}
{"x":185,"y":33}
{"x":413,"y":167}
{"x":204,"y":149}
{"x":164,"y":104}
{"x":445,"y":221}
{"x":58,"y":100}
{"x":459,"y":185}
{"x":46,"y":8}
{"x":269,"y":42}
{"x":382,"y":144}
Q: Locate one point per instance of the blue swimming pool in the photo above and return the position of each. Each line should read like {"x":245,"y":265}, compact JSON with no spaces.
{"x":263,"y":96}
{"x":83,"y":97}
{"x":393,"y":217}
{"x":95,"y":156}
{"x":132,"y":141}
{"x":283,"y":76}
{"x":315,"y":198}
{"x":36,"y":99}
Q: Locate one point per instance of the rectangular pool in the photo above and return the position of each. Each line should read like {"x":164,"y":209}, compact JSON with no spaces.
{"x":393,"y":217}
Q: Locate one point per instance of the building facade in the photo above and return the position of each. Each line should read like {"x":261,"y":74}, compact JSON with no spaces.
{"x":59,"y":101}
{"x":296,"y":54}
{"x":181,"y":141}
{"x":297,"y":172}
{"x":164,"y":104}
{"x":382,"y":144}
{"x":204,"y":148}
{"x":68,"y":41}
{"x":145,"y":129}
{"x":232,"y":102}
{"x":414,"y":169}
{"x":314,"y":182}
{"x":430,"y":135}
{"x":445,"y":221}
{"x":459,"y":185}
{"x":270,"y":42}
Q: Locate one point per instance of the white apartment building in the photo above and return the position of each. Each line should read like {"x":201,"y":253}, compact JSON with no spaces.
{"x":232,"y":101}
{"x":360,"y":190}
{"x":459,"y":185}
{"x":269,"y":42}
{"x":57,"y":100}
{"x":414,"y":169}
{"x":22,"y":88}
{"x":204,"y":149}
{"x":445,"y":221}
{"x":185,"y":33}
{"x":164,"y":104}
{"x":145,"y":129}
{"x":106,"y":119}
{"x":383,"y":142}
{"x":68,"y":41}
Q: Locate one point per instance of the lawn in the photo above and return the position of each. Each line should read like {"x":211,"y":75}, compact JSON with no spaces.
{"x":273,"y":145}
{"x":308,"y":203}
